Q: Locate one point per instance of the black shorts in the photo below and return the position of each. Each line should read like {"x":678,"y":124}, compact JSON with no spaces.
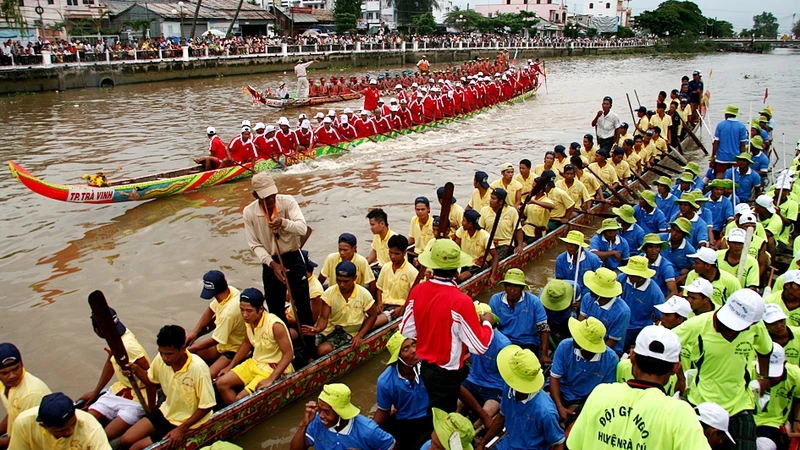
{"x":229,"y":355}
{"x":161,"y":425}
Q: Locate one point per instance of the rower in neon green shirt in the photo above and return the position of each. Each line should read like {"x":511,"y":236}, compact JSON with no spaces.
{"x":705,"y":266}
{"x":772,"y":412}
{"x":788,"y":337}
{"x":788,"y":298}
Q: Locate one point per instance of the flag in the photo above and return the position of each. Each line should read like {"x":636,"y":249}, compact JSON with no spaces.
{"x":766,"y":95}
{"x":710,"y":72}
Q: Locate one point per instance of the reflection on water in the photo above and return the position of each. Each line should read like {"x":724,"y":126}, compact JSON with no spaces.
{"x":149,"y":257}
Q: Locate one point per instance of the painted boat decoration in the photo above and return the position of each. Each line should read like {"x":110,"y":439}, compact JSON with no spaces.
{"x":191,"y":179}
{"x":257,"y":97}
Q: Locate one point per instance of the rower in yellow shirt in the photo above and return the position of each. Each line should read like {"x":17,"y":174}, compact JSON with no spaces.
{"x":562,"y":159}
{"x":589,"y":149}
{"x":643,"y":123}
{"x":536,"y":216}
{"x":481,"y":193}
{"x":19,"y":390}
{"x":379,"y":226}
{"x":549,"y":160}
{"x":575,"y":150}
{"x":662,"y":120}
{"x":623,"y":134}
{"x":649,"y":151}
{"x":575,"y":188}
{"x":506,"y":228}
{"x":621,"y":166}
{"x":525,"y":177}
{"x":456,"y":212}
{"x":473,"y":241}
{"x":601,"y":168}
{"x":421,"y":230}
{"x":631,"y":157}
{"x":659,"y":141}
{"x":395,"y":281}
{"x":56,"y":424}
{"x":563,"y":206}
{"x":348,"y":251}
{"x":509,"y":184}
{"x":592,"y":184}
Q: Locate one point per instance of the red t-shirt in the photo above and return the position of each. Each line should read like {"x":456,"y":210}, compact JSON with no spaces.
{"x":371,"y":97}
{"x":366,"y":128}
{"x":241,"y":151}
{"x":327,"y":137}
{"x":217,"y":148}
{"x":347,"y":132}
{"x":288,"y":141}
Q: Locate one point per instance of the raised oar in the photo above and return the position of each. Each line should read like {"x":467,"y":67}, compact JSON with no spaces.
{"x":491,"y":235}
{"x":640,"y":179}
{"x":107,"y":327}
{"x":637,"y":97}
{"x":262,"y":203}
{"x":534,"y":190}
{"x":748,"y":239}
{"x":612,"y":191}
{"x":693,"y":136}
{"x":635,"y":122}
{"x":444,"y":216}
{"x":658,"y":172}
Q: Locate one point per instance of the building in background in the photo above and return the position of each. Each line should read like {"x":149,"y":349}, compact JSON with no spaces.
{"x":53,"y":14}
{"x":551,"y":11}
{"x":620,"y":9}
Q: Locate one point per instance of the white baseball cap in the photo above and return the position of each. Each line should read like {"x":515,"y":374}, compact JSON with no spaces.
{"x":344,"y":118}
{"x":245,"y":128}
{"x":306,"y":124}
{"x":373,"y":81}
{"x":245,"y":123}
{"x":402,"y":100}
{"x":669,"y":349}
{"x":319,"y":115}
{"x":392,"y":100}
{"x":259,"y":126}
{"x":714,"y":416}
{"x":269,"y":129}
{"x":399,"y":86}
{"x":431,"y":80}
{"x":776,"y":361}
{"x":766,"y":202}
{"x":742,"y":208}
{"x":394,"y":108}
{"x":677,"y":305}
{"x":700,"y":286}
{"x":743,"y":308}
{"x":737,"y":235}
{"x":331,"y":113}
{"x":364,"y":112}
{"x":283,"y":121}
{"x":302,"y":116}
{"x":327,"y":120}
{"x":705,"y":254}
{"x":791,"y":276}
{"x":773,"y":313}
{"x":419,"y":95}
{"x":746,"y":218}
{"x":413,"y":85}
{"x":348,"y":111}
{"x":211,"y":130}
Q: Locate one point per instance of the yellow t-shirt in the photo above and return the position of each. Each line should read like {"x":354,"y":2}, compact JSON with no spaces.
{"x":750,"y":276}
{"x":623,"y":169}
{"x":622,"y":139}
{"x":456,"y":214}
{"x":348,"y":314}
{"x":794,"y":315}
{"x":424,"y":234}
{"x":477,"y":202}
{"x":590,"y":153}
{"x":644,"y":153}
{"x":28,"y":394}
{"x":229,"y":331}
{"x":314,"y":287}
{"x":475,"y":245}
{"x":607,"y":173}
{"x":537,"y":171}
{"x":187,"y":390}
{"x":577,"y":192}
{"x":663,"y":123}
{"x":561,"y":202}
{"x":661,"y":145}
{"x":506,"y":227}
{"x":512,"y":189}
{"x":591,"y":182}
{"x":381,"y":246}
{"x":364,"y":275}
{"x":558,"y":166}
{"x":29,"y":435}
{"x":266,"y":349}
{"x":135,"y":351}
{"x":396,"y":284}
{"x":644,"y":124}
{"x":633,"y":160}
{"x":527,"y":185}
{"x":536,"y":216}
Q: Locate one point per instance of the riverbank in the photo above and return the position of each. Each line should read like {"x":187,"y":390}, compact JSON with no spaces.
{"x":109,"y":74}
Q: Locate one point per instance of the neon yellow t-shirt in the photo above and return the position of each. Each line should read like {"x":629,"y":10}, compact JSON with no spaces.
{"x":625,"y":373}
{"x":794,"y":315}
{"x":396,"y":284}
{"x":750,"y":276}
{"x":776,"y":411}
{"x":724,"y":286}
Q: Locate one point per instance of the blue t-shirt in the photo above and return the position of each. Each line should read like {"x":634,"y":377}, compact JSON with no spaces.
{"x":483,"y":370}
{"x":745,"y":184}
{"x":601,"y":244}
{"x":679,"y":256}
{"x":760,"y":163}
{"x":559,"y":317}
{"x":578,"y":376}
{"x":361,"y":433}
{"x":532,"y":425}
{"x":665,"y":271}
{"x":409,"y":398}
{"x":615,"y":318}
{"x":642,"y":301}
{"x":665,"y":205}
{"x":650,"y":223}
{"x":634,"y":236}
{"x":730,"y":133}
{"x":519,"y":324}
{"x":565,"y":270}
{"x":721,"y":211}
{"x":699,"y":231}
{"x":693,"y":86}
{"x":426,"y":445}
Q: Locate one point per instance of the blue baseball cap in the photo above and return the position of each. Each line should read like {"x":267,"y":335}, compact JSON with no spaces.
{"x":213,"y":283}
{"x":120,"y":327}
{"x":560,"y":149}
{"x":473,"y":217}
{"x":252,"y":296}
{"x":348,"y":238}
{"x":55,"y":410}
{"x":423,"y":200}
{"x":574,"y":146}
{"x":309,"y":263}
{"x":500,"y":193}
{"x":9,"y":354}
{"x":440,"y":194}
{"x":346,"y":269}
{"x":482,"y":178}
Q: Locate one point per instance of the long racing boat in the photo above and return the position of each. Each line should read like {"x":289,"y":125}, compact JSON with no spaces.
{"x":281,"y":103}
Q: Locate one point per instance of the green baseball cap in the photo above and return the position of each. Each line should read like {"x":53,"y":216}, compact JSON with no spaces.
{"x":625,"y":213}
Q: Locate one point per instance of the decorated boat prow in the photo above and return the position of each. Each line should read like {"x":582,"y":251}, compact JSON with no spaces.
{"x":258,"y":97}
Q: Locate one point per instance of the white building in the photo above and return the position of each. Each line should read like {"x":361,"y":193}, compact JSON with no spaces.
{"x":440,"y":14}
{"x":609,"y":8}
{"x":52,"y":12}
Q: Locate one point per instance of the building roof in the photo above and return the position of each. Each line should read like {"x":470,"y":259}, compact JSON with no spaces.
{"x":209,"y":9}
{"x":302,"y":18}
{"x":117,"y":8}
{"x":248,"y":11}
{"x":324,"y":15}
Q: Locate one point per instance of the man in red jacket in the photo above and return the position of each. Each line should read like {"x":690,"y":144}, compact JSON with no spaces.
{"x":371,"y":95}
{"x":443,"y":320}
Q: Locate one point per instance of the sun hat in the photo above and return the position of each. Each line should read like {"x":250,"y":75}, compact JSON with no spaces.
{"x":575,"y":237}
{"x":394,"y":345}
{"x":688,"y":198}
{"x":773,"y":313}
{"x":664,"y":181}
{"x":705,"y":254}
{"x":700,"y":286}
{"x":283,"y":121}
{"x":737,"y":235}
{"x":484,"y":308}
{"x":445,"y":254}
{"x":698,"y":196}
{"x":603,"y":282}
{"x":625,"y":213}
{"x":687,"y":177}
{"x":520,"y":369}
{"x":754,"y":125}
{"x":337,"y":395}
{"x":263,"y":185}
{"x":269,"y":128}
{"x":557,"y":295}
{"x":757,"y":141}
{"x":589,"y":334}
{"x":653,"y":239}
{"x":714,"y":416}
{"x":446,"y":425}
{"x":762,"y":119}
{"x":515,"y":276}
{"x":743,"y":308}
{"x":733,"y":110}
{"x":637,"y":267}
{"x":676,"y":305}
{"x":724,"y":184}
{"x":259,"y":126}
{"x":693,"y":167}
{"x":667,"y":348}
{"x":745,"y":157}
{"x":766,"y":112}
{"x":246,"y":123}
{"x":776,"y":361}
{"x":765,"y":201}
{"x":649,"y":197}
{"x":609,"y":225}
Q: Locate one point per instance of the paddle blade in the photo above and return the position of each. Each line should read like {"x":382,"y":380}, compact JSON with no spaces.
{"x":107,"y":327}
{"x":444,"y":216}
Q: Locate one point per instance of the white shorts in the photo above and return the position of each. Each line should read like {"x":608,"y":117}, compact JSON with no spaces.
{"x":112,"y":406}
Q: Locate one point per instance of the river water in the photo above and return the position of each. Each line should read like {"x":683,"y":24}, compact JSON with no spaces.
{"x":148,"y":258}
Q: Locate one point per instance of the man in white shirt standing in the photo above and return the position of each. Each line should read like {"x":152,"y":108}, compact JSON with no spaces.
{"x":302,"y":80}
{"x":606,"y":125}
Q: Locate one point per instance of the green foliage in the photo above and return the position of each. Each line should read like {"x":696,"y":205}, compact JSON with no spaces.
{"x":9,"y":10}
{"x":345,"y":22}
{"x":140,"y":24}
{"x":796,"y":28}
{"x":499,"y":23}
{"x":673,"y":18}
{"x":346,"y":14}
{"x":424,"y":23}
{"x":467,"y":20}
{"x":591,"y":32}
{"x":765,"y":25}
{"x":625,"y":32}
{"x":572,"y":30}
{"x":408,"y":10}
{"x":719,"y":28}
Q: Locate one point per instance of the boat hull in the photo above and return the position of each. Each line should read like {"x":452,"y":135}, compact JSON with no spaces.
{"x":297,"y":102}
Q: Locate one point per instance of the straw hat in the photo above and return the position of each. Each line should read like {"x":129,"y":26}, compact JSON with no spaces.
{"x":654,"y":239}
{"x":589,"y":334}
{"x":637,"y":267}
{"x":609,"y":225}
{"x":445,"y":425}
{"x":337,"y":395}
{"x":557,"y":295}
{"x":603,"y":282}
{"x":516,"y":277}
{"x":625,"y":212}
{"x":575,"y":237}
{"x":445,"y":254}
{"x":520,"y":369}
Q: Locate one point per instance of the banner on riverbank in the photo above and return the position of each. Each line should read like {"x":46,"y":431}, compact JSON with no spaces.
{"x":605,"y":24}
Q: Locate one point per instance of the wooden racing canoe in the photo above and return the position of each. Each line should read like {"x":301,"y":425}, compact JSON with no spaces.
{"x":193,"y":178}
{"x":280,"y":103}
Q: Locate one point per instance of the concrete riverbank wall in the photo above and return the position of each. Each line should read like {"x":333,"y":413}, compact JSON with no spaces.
{"x":108,"y":74}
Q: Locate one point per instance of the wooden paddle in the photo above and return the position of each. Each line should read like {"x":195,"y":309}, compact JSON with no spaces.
{"x":497,"y":216}
{"x":635,"y":122}
{"x":601,"y":214}
{"x":263,"y":204}
{"x":534,"y":191}
{"x":444,"y":216}
{"x":612,"y":191}
{"x":667,"y":168}
{"x":637,"y":97}
{"x":748,"y":239}
{"x":641,"y":180}
{"x":693,"y":136}
{"x":107,"y":327}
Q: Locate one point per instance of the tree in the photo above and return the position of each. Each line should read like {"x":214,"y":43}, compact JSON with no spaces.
{"x":765,"y":25}
{"x":141,"y":24}
{"x":407,"y":10}
{"x":424,"y":23}
{"x":346,"y":14}
{"x":572,"y":30}
{"x":345,"y":22}
{"x":194,"y":18}
{"x":96,"y":23}
{"x":796,"y":28}
{"x":9,"y":9}
{"x":230,"y":27}
{"x":719,"y":28}
{"x":673,"y":18}
{"x":466,"y":20}
{"x":625,"y":32}
{"x":591,"y":32}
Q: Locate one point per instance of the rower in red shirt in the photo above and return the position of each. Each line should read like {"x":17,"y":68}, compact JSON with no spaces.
{"x":417,"y":109}
{"x":405,"y":114}
{"x":448,"y":104}
{"x":271,"y":147}
{"x":443,"y":321}
{"x":241,"y":147}
{"x":371,"y":95}
{"x":323,"y":88}
{"x":394,"y":118}
{"x":429,"y":108}
{"x":305,"y":137}
{"x":458,"y":98}
{"x":365,"y":126}
{"x":218,"y":154}
{"x":506,"y":88}
{"x":381,"y":122}
{"x":334,"y":88}
{"x":285,"y":137}
{"x":346,"y":131}
{"x":327,"y":135}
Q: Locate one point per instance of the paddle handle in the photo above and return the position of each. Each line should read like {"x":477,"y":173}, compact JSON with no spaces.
{"x":748,"y":239}
{"x":444,"y":216}
{"x":637,"y":97}
{"x":534,"y":191}
{"x":613,"y":192}
{"x":283,"y":267}
{"x":692,"y":135}
{"x":105,"y":323}
{"x":491,"y":235}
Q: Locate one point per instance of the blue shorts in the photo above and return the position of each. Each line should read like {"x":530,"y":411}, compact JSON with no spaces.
{"x":482,"y":394}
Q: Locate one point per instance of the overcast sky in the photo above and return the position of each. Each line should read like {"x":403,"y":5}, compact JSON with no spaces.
{"x":739,"y":12}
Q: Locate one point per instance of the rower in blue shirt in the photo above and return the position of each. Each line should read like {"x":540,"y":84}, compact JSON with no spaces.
{"x":748,"y":181}
{"x":648,"y":216}
{"x":603,"y":303}
{"x":694,"y":169}
{"x":688,"y":209}
{"x":556,"y":297}
{"x":665,"y":201}
{"x":641,"y":294}
{"x":665,"y":271}
{"x":334,"y":423}
{"x":630,"y":231}
{"x":729,"y":140}
{"x":450,"y":426}
{"x":760,"y":159}
{"x":528,"y":414}
{"x":679,"y":248}
{"x":400,"y":387}
{"x":720,"y":206}
{"x":684,"y":184}
{"x":580,"y":364}
{"x":609,"y":246}
{"x":521,"y":314}
{"x":566,"y":264}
